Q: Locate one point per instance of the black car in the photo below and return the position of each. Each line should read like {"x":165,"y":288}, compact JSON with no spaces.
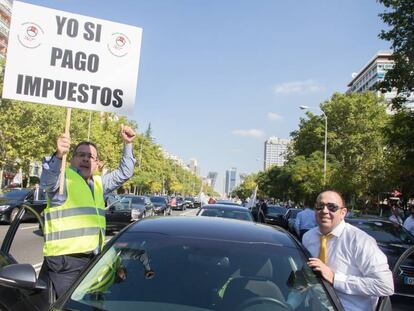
{"x":118,"y":213}
{"x":184,"y":263}
{"x":275,"y":216}
{"x":393,"y":240}
{"x":179,"y":204}
{"x":141,"y":206}
{"x":226,"y":211}
{"x":161,"y":206}
{"x":12,"y":200}
{"x":189,"y":201}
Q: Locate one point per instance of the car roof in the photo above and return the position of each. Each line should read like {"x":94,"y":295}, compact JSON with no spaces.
{"x":213,"y":228}
{"x":227,"y":207}
{"x":367,"y":219}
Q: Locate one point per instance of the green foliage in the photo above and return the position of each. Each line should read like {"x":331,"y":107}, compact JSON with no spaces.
{"x":400,"y":18}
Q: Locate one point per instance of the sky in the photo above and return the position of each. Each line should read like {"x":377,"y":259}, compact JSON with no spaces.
{"x":219,"y":77}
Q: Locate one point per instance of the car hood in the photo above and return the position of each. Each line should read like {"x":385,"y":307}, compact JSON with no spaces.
{"x":159,"y":204}
{"x":273,"y":214}
{"x":393,"y":251}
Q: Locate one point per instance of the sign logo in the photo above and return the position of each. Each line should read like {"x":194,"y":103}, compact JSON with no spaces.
{"x":119,"y":44}
{"x":30,"y":35}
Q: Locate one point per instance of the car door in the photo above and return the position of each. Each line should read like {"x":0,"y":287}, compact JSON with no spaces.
{"x":37,"y":203}
{"x":19,"y":287}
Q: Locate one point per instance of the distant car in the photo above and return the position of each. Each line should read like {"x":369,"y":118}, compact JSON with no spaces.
{"x":141,"y":206}
{"x":275,"y":216}
{"x":182,"y":263}
{"x":11,"y":201}
{"x":393,"y":240}
{"x":118,"y":213}
{"x":226,"y":211}
{"x":179,"y":204}
{"x":161,"y":206}
{"x":189,"y":201}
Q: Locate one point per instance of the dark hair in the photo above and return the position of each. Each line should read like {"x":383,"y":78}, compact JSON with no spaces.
{"x":334,"y":191}
{"x":86,"y":143}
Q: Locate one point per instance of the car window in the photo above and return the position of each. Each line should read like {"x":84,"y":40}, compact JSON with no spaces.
{"x":384,"y":232}
{"x":157,"y":200}
{"x":149,"y":271}
{"x":138,"y":200}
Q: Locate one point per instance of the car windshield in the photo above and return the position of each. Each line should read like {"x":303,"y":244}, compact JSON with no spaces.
{"x":227,"y":213}
{"x":189,"y":199}
{"x":157,"y":200}
{"x":276,"y":209}
{"x":15,"y":194}
{"x":384,"y":232}
{"x":138,"y":200}
{"x":151,"y":271}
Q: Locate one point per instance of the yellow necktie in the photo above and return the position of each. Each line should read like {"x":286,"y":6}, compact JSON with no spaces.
{"x":323,"y":252}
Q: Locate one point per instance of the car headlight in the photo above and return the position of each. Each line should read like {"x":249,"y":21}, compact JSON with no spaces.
{"x":135,"y":213}
{"x":4,"y":207}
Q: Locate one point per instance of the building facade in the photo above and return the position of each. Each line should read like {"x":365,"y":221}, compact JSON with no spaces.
{"x":374,"y":72}
{"x":5,"y":15}
{"x":212,"y":177}
{"x":230,"y":181}
{"x":275,"y":152}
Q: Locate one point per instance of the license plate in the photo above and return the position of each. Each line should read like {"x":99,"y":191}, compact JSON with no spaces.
{"x":408,"y":280}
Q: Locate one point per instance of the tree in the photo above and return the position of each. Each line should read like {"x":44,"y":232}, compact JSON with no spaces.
{"x":148,"y":132}
{"x":400,"y":19}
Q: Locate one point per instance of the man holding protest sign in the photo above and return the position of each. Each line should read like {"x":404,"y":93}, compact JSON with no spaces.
{"x":74,"y":226}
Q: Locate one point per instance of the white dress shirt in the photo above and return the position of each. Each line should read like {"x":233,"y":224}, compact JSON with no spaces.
{"x":409,"y":224}
{"x":305,"y":220}
{"x":361,"y":272}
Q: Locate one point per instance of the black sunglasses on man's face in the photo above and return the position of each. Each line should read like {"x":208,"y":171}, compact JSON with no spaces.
{"x":332,"y":207}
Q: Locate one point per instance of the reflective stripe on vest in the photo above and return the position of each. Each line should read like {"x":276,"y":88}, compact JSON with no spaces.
{"x":78,"y":225}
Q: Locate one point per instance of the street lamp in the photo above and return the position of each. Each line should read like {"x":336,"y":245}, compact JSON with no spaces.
{"x":326,"y":138}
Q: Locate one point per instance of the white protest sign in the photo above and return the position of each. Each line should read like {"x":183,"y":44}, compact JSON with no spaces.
{"x":59,"y":58}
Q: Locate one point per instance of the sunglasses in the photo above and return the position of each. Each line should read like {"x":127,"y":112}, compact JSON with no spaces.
{"x":332,"y":207}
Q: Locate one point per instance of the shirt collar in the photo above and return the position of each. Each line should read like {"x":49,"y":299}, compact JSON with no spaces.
{"x":337,"y":231}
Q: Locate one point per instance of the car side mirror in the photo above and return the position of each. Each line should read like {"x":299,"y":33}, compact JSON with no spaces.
{"x":21,"y":276}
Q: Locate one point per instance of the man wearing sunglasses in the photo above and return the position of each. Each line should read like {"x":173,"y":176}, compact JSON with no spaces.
{"x":74,"y":228}
{"x":347,"y":257}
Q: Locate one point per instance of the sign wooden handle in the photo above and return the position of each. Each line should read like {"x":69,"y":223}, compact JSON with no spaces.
{"x":62,"y":167}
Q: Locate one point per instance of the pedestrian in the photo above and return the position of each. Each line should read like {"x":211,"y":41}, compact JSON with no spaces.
{"x":74,"y":228}
{"x":409,"y":222}
{"x":347,"y":257}
{"x":395,"y":216}
{"x":305,"y":220}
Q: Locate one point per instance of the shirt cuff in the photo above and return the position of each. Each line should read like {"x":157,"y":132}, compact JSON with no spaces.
{"x":339,"y":281}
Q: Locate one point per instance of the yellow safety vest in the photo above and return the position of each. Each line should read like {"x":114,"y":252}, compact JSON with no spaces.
{"x":77,"y":226}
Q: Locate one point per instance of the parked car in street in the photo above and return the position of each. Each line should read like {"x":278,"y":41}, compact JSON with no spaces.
{"x":161,"y":206}
{"x":183,"y":263}
{"x":275,"y":215}
{"x":189,"y":201}
{"x":141,"y":206}
{"x":12,"y":199}
{"x":179,"y":204}
{"x":118,"y":213}
{"x":226,"y":211}
{"x":393,"y":240}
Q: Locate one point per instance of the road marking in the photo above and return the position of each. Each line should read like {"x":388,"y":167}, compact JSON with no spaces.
{"x":37,"y":266}
{"x":32,"y":227}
